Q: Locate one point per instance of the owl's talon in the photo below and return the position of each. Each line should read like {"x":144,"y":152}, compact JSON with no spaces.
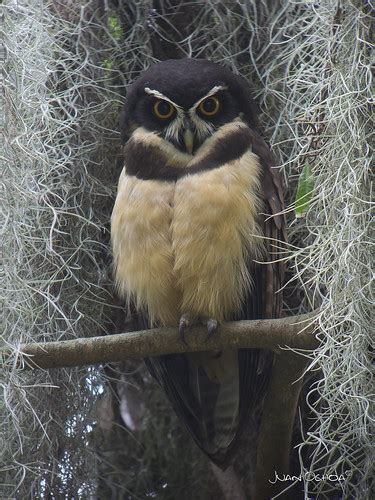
{"x":183,"y":326}
{"x":212,"y":325}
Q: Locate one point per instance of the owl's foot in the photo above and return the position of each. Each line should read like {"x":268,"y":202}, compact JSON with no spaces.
{"x":186,"y":321}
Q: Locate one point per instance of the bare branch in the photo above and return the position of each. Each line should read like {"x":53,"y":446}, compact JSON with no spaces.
{"x":275,"y":433}
{"x":296,"y":332}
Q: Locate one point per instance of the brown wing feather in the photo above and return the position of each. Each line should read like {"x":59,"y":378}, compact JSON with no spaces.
{"x":264,"y":300}
{"x":272,"y":221}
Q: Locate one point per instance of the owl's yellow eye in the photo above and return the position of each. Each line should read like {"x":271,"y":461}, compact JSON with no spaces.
{"x":210,"y":106}
{"x":163,"y":109}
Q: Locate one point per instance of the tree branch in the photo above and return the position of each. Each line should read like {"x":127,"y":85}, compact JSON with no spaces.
{"x":282,"y":396}
{"x":276,"y":429}
{"x":295,"y":331}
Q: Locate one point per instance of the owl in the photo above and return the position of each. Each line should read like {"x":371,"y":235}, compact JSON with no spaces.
{"x":196,"y":231}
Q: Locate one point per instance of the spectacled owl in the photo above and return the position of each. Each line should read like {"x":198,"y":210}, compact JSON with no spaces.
{"x":195,"y":231}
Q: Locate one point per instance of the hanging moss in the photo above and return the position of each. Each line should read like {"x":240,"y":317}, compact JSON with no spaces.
{"x":66,"y":72}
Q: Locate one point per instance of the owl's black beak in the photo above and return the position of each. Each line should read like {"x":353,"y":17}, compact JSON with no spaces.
{"x":189,"y":141}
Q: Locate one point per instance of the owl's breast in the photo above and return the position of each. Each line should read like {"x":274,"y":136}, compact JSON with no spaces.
{"x":183,"y":247}
{"x":142,"y":246}
{"x":215,"y":233}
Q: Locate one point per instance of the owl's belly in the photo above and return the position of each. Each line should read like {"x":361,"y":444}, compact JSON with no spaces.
{"x":183,"y":247}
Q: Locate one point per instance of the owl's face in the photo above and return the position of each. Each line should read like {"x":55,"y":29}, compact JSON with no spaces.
{"x":186,"y":101}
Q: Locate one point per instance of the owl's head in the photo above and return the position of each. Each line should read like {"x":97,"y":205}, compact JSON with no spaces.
{"x":185,"y":101}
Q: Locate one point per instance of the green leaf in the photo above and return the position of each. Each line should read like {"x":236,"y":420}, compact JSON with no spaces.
{"x":107,"y":64}
{"x":114,"y":27}
{"x":305,"y":192}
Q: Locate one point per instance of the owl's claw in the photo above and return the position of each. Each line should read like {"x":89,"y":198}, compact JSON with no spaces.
{"x":212,"y":325}
{"x":183,"y":326}
{"x":186,"y":321}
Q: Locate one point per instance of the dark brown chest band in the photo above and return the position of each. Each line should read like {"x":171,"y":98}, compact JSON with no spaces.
{"x":147,"y":162}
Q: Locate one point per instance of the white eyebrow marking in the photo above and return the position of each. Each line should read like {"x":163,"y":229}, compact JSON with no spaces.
{"x":159,"y":95}
{"x":213,"y":91}
{"x":173,"y":129}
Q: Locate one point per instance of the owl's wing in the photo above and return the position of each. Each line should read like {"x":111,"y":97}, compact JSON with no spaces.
{"x":264,"y":301}
{"x":215,"y":413}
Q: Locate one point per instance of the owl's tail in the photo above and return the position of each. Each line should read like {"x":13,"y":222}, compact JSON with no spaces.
{"x":214,"y":382}
{"x":214,"y":394}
